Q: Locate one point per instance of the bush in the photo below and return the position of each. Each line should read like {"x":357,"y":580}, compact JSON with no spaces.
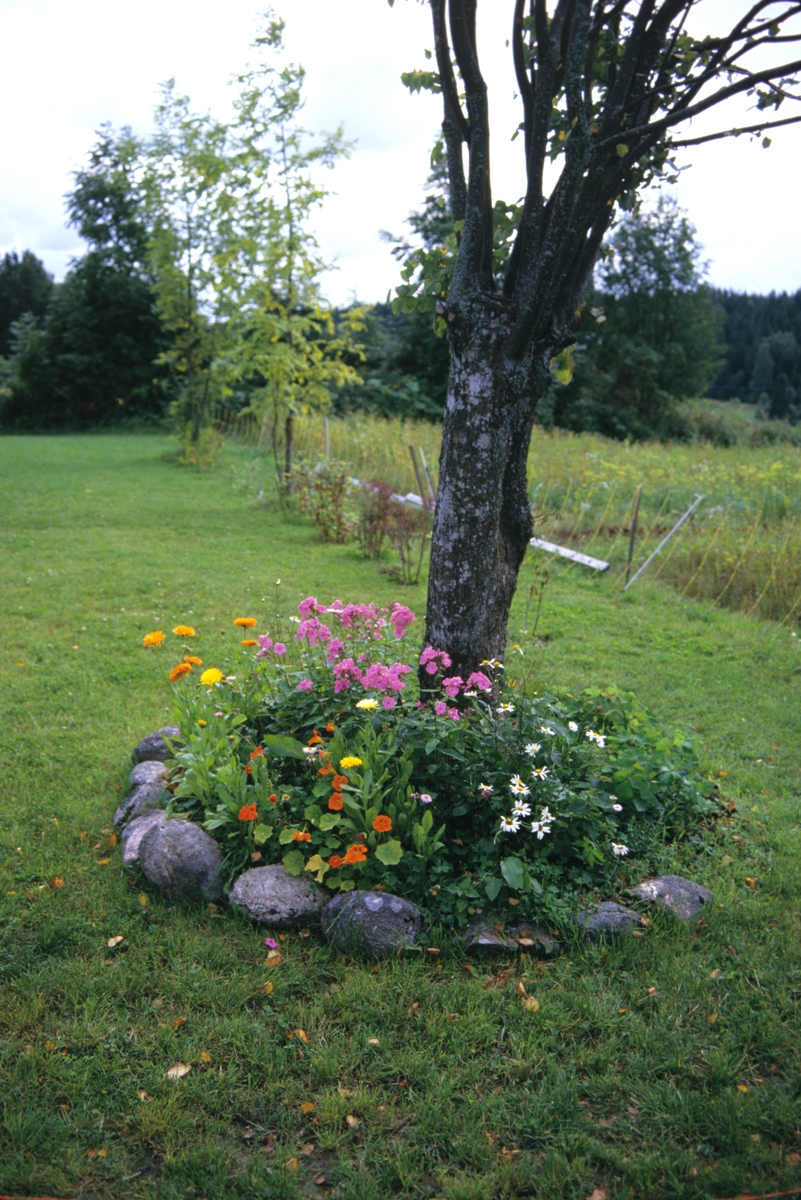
{"x":325,"y":759}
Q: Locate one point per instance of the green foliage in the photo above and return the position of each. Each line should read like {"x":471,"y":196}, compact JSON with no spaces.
{"x":25,"y":287}
{"x":750,"y":324}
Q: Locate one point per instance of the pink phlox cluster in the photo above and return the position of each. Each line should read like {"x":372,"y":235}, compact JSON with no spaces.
{"x":279,"y":648}
{"x":305,"y":685}
{"x":335,"y":648}
{"x":310,"y":605}
{"x":358,"y":614}
{"x":479,"y":680}
{"x":441,"y":709}
{"x":401,"y":618}
{"x":314,"y":630}
{"x":389,"y":702}
{"x":433,"y":659}
{"x":345,"y":673}
{"x":452,"y":685}
{"x":453,"y":713}
{"x":385,"y":679}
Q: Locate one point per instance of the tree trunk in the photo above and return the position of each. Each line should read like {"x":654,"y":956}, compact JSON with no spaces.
{"x":482,"y":522}
{"x":289,"y":431}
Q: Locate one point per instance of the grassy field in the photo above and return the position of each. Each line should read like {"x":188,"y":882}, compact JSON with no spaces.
{"x":663,"y":1066}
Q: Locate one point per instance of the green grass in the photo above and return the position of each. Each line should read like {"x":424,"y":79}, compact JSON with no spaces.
{"x":102,"y":540}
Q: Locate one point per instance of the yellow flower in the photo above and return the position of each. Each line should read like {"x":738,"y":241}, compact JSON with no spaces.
{"x":369,"y":703}
{"x":193,"y":660}
{"x":179,"y":671}
{"x":249,"y":642}
{"x":211,"y":676}
{"x":153,"y":639}
{"x":350,"y":761}
{"x":184,"y":631}
{"x":246,"y":622}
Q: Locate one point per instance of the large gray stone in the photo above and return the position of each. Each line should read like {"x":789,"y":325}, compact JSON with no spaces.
{"x":271,"y":896}
{"x":484,"y":935}
{"x":152,"y":770}
{"x":181,"y":860}
{"x":606,"y":919}
{"x":133,"y":834}
{"x":154,"y":747}
{"x":374,"y":922}
{"x":141,"y":800}
{"x":680,"y":896}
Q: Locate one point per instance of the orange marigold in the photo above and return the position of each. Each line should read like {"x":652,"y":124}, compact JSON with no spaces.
{"x":297,"y":836}
{"x":335,"y":861}
{"x":335,"y":802}
{"x":338,"y":782}
{"x":153,"y":639}
{"x":248,"y":812}
{"x":194,"y":660}
{"x":184,"y":631}
{"x":249,"y":642}
{"x":179,"y":671}
{"x":382,"y":824}
{"x":330,"y":727}
{"x":246,"y":622}
{"x":355,"y":855}
{"x":255,"y":753}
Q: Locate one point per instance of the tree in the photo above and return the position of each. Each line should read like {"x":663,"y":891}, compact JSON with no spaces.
{"x":649,"y":333}
{"x":603,"y":84}
{"x":25,"y":287}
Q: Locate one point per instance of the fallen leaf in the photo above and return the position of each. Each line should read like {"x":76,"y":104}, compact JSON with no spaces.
{"x":513,"y":901}
{"x":638,"y":933}
{"x":179,"y":1021}
{"x":307,"y":1107}
{"x":291,"y":1164}
{"x":726,"y":860}
{"x":723,"y":774}
{"x":205,"y":1057}
{"x":714,"y":974}
{"x":97,"y":1153}
{"x":491,"y":1137}
{"x":50,"y":1046}
{"x":274,"y":958}
{"x":749,"y":879}
{"x":373,"y":1042}
{"x":713,"y":1017}
{"x":505,"y":1155}
{"x":606,"y":1122}
{"x":521,"y":989}
{"x":531,"y":1005}
{"x":732,"y":951}
{"x":307,"y":1150}
{"x":693,"y":1171}
{"x":320,"y":1180}
{"x":755,"y":1137}
{"x":525,"y":941}
{"x":178,"y":1070}
{"x":621,"y":1011}
{"x":433,"y":949}
{"x":345,"y":1091}
{"x":652,"y":991}
{"x":633,"y":1112}
{"x":267,"y":987}
{"x":57,"y":882}
{"x":352,"y":1121}
{"x":451,"y":1016}
{"x":794,"y":1159}
{"x":299,"y":1033}
{"x":143,"y":900}
{"x":598,"y":1194}
{"x":249,"y":1133}
{"x":112,"y":840}
{"x":143,"y":1095}
{"x":103,"y":862}
{"x":415,"y":1008}
{"x":741,"y":1087}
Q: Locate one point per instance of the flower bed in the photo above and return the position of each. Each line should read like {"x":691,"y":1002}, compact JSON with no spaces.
{"x":320,"y":752}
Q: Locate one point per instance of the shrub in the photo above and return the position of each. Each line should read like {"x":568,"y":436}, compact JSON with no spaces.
{"x":324,"y":494}
{"x":324,"y":758}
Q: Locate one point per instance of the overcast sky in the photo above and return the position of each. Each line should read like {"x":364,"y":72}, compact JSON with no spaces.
{"x":69,"y":67}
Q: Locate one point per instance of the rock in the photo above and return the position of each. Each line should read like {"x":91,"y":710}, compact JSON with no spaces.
{"x":141,"y":800}
{"x":271,"y":896}
{"x":374,"y":922}
{"x":133,"y":834}
{"x":680,"y":896}
{"x":154,"y":748}
{"x":152,"y":770}
{"x":493,"y":937}
{"x":606,"y":919}
{"x":181,"y":860}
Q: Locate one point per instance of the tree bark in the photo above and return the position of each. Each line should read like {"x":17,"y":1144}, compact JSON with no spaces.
{"x":482,"y":521}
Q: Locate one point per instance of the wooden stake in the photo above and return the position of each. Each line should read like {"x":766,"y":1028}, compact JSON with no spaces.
{"x":417,"y":474}
{"x":428,"y":475}
{"x":633,"y":530}
{"x":665,"y":540}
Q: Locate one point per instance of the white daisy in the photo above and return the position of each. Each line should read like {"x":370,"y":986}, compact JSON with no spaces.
{"x":542,"y":826}
{"x":541,"y":772}
{"x":572,"y":726}
{"x":510,"y":824}
{"x":517,"y":786}
{"x":521,"y":809}
{"x":547,"y":730}
{"x":598,"y":738}
{"x":617,"y":807}
{"x":505,"y":708}
{"x":485,"y":789}
{"x":532,"y":748}
{"x":619,"y":850}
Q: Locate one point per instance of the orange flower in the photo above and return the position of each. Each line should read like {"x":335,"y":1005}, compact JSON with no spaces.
{"x":297,"y":836}
{"x":248,"y":812}
{"x":314,"y":739}
{"x":193,"y":660}
{"x":339,"y":782}
{"x":355,"y":855}
{"x":184,"y":631}
{"x":382,"y":824}
{"x":335,"y":861}
{"x":153,"y":639}
{"x":246,"y":622}
{"x":330,"y":727}
{"x":179,"y":671}
{"x":248,"y":769}
{"x":249,"y":642}
{"x":335,"y":802}
{"x":255,"y":753}
{"x":329,"y":770}
{"x":272,"y":798}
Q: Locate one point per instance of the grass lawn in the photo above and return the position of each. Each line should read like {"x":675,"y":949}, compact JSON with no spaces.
{"x":662,"y":1066}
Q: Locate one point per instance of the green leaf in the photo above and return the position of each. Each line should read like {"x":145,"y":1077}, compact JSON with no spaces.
{"x":317,"y":863}
{"x":262,"y":834}
{"x":514,"y":872}
{"x":313,"y":814}
{"x":492,"y":885}
{"x":328,"y":821}
{"x":286,"y":836}
{"x":622,"y":150}
{"x":283,"y":745}
{"x":294,"y":862}
{"x":389,"y":853}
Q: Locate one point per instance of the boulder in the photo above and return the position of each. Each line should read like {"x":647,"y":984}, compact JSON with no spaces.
{"x":496,"y":938}
{"x":680,"y":896}
{"x":152,"y":770}
{"x":375,"y":923}
{"x":133,"y":834}
{"x":606,"y":919}
{"x":154,"y":748}
{"x":272,"y":897}
{"x":181,"y":860}
{"x":141,"y":800}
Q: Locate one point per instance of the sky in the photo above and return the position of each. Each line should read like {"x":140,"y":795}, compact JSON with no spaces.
{"x":67,"y":68}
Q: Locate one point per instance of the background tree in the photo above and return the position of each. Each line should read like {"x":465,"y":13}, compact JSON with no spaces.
{"x":602,"y":84}
{"x":747,"y":321}
{"x":25,"y":287}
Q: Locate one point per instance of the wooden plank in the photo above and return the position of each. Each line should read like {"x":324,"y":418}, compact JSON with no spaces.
{"x":586,"y":560}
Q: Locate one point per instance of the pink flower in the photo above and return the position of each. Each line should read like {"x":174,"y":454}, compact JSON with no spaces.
{"x":430,"y":657}
{"x":401,"y":617}
{"x":310,"y":605}
{"x":345,"y":673}
{"x":314,"y":630}
{"x":266,"y":645}
{"x":335,"y":647}
{"x":431,"y":667}
{"x":271,"y":942}
{"x":451,"y":686}
{"x":453,"y":713}
{"x":441,"y":708}
{"x":279,"y":648}
{"x":425,"y":798}
{"x":389,"y":702}
{"x":305,"y":685}
{"x":479,"y":680}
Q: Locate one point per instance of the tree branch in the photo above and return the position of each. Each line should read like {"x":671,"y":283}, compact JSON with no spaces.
{"x":713,"y":137}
